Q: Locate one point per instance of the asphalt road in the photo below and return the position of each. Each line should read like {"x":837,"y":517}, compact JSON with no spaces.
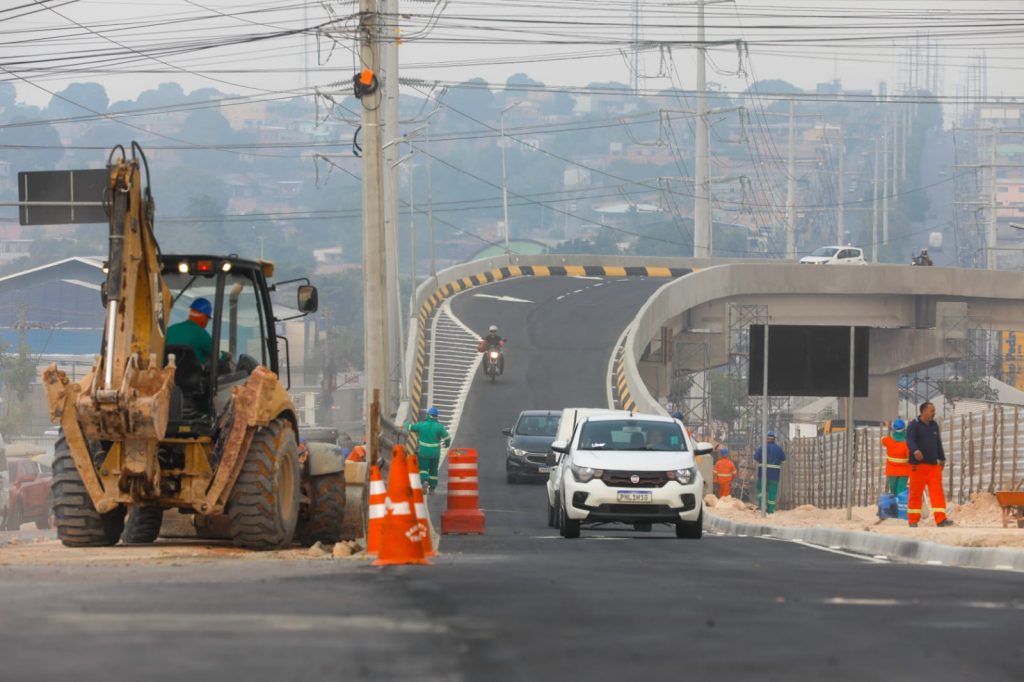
{"x":520,"y":603}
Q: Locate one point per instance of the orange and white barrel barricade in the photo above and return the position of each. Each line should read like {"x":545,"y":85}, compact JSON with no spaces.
{"x":463,"y":515}
{"x":377,"y":508}
{"x":419,"y":504}
{"x":401,"y":536}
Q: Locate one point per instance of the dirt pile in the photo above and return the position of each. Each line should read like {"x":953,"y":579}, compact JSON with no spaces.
{"x":981,"y":510}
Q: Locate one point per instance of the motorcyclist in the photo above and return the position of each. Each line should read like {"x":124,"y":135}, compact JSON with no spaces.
{"x":494,"y":342}
{"x":923,"y":258}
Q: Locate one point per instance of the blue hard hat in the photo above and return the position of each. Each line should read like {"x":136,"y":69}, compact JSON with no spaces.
{"x":771,"y":434}
{"x":201,"y":305}
{"x":899,"y":425}
{"x":724,"y":451}
{"x":432,"y":412}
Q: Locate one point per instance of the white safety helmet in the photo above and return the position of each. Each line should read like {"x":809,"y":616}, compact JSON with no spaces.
{"x":493,"y":329}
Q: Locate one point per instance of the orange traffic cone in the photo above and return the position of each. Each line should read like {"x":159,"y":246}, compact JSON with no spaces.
{"x":464,"y":515}
{"x":401,"y":537}
{"x":378,"y":507}
{"x":419,"y":503}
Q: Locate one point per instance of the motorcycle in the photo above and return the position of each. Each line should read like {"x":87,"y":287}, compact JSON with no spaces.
{"x":492,"y":363}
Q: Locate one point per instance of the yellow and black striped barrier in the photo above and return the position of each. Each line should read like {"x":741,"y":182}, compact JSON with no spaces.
{"x":509,"y":272}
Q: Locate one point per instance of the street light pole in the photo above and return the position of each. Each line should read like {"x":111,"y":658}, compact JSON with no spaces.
{"x":504,"y":172}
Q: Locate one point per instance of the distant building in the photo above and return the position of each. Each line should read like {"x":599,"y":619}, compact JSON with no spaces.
{"x":58,"y":304}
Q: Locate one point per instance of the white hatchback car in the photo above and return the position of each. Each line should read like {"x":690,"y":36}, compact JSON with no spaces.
{"x":835,"y":255}
{"x":637,"y":470}
{"x":567,"y":423}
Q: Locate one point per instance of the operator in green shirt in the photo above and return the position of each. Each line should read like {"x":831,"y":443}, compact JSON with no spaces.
{"x":431,"y":435}
{"x":192,"y":332}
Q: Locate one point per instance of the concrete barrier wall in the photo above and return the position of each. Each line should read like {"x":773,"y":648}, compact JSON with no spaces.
{"x":994,"y":297}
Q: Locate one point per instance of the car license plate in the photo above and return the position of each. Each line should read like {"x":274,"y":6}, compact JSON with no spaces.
{"x":544,"y":470}
{"x":635,"y":496}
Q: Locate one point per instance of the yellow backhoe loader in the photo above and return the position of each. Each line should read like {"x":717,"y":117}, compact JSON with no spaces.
{"x":155,"y":425}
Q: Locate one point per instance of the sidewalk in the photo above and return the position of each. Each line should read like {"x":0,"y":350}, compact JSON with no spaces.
{"x":978,"y":523}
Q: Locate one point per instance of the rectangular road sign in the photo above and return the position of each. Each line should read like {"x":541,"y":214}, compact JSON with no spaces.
{"x":62,"y":197}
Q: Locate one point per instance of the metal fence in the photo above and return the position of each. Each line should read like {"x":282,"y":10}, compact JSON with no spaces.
{"x":982,"y":454}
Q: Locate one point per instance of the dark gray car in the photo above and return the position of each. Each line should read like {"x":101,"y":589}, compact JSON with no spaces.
{"x":528,"y":443}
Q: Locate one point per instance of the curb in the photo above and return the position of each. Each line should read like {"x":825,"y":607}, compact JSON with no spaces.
{"x":877,"y":545}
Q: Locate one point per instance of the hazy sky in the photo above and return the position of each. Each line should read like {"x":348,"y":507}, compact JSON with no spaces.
{"x":132,"y":46}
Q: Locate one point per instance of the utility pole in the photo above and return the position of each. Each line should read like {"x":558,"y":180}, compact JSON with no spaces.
{"x":702,"y":187}
{"x":389,"y":9}
{"x":430,"y":203}
{"x":895,"y":154}
{"x":908,"y":125}
{"x":376,"y":342}
{"x":841,"y":208}
{"x":504,"y":172}
{"x":993,"y":220}
{"x":874,"y":210}
{"x":885,"y":180}
{"x":791,"y":185}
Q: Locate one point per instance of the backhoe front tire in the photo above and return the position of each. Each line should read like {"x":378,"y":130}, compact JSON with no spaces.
{"x":78,"y":522}
{"x":327,"y":511}
{"x":263,"y":508}
{"x":143,"y":525}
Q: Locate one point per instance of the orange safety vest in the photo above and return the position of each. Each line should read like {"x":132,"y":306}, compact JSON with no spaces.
{"x":725,"y":470}
{"x":897,"y":457}
{"x":358,"y":454}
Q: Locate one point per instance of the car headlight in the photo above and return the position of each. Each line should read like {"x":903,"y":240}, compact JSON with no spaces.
{"x":516,"y":452}
{"x":683,"y":476}
{"x":586,"y":474}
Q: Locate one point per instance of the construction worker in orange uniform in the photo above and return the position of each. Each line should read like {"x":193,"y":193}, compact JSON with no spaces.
{"x":927,"y":459}
{"x":725,"y":471}
{"x":897,"y":458}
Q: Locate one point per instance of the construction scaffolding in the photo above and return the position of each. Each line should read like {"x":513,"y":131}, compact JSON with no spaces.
{"x":689,"y":386}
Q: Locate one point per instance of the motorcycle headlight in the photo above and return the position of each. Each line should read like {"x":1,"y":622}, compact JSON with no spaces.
{"x":518,"y":453}
{"x":586,"y":474}
{"x":683,"y":476}
{"x":494,"y":355}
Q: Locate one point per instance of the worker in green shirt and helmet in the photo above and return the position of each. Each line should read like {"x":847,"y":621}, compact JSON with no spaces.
{"x":192,"y":332}
{"x":432,"y":435}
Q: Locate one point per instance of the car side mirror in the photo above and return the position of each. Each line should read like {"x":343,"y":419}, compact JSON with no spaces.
{"x":506,"y":432}
{"x":703,"y":448}
{"x":561,"y":446}
{"x":308,"y":299}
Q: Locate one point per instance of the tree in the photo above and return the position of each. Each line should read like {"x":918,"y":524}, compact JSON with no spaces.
{"x":472,"y":98}
{"x":976,"y":388}
{"x":32,"y":146}
{"x":78,"y":99}
{"x":17,"y":371}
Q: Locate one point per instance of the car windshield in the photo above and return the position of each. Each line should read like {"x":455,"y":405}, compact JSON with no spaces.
{"x":537,"y":425}
{"x":826,"y":251}
{"x":631,"y":434}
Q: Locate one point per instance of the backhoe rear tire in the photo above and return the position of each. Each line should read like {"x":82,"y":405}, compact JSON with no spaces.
{"x":327,"y":513}
{"x":78,"y":522}
{"x":143,"y":525}
{"x":263,"y":508}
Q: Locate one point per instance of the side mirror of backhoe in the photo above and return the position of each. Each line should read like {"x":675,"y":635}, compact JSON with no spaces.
{"x":308,"y":299}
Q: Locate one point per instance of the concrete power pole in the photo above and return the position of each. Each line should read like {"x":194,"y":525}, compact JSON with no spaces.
{"x":376,"y":342}
{"x":702,"y":173}
{"x":791,"y":185}
{"x":389,"y":8}
{"x":874,"y":210}
{"x":841,"y":208}
{"x":885,"y":181}
{"x":993,"y":220}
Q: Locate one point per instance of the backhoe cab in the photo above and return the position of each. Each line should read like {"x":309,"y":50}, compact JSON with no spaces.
{"x":155,"y":426}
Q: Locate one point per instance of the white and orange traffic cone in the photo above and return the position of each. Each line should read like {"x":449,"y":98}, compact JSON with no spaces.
{"x":401,"y":536}
{"x":377,"y":509}
{"x":419,"y":504}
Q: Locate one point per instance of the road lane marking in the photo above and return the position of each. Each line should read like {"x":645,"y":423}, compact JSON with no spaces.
{"x":504,"y":299}
{"x":241,"y":622}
